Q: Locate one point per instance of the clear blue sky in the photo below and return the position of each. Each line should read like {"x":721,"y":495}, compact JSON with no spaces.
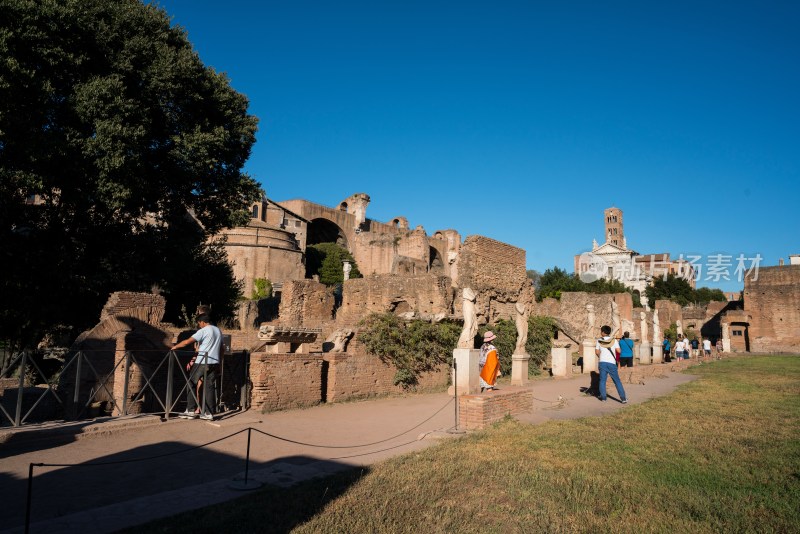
{"x":522,"y":121}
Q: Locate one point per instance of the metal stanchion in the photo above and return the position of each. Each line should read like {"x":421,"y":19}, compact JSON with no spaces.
{"x":247,"y":483}
{"x":455,"y":429}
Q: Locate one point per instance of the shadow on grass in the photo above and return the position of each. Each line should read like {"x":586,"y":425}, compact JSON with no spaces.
{"x":271,"y":510}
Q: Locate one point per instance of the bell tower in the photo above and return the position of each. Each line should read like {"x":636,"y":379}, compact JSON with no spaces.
{"x":613,"y":223}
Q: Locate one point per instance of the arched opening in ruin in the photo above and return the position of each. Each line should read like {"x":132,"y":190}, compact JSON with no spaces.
{"x":436,"y":263}
{"x":343,"y":206}
{"x":325,"y":231}
{"x":400,"y":307}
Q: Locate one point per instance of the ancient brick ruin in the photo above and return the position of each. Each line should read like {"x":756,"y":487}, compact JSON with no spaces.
{"x":309,"y":352}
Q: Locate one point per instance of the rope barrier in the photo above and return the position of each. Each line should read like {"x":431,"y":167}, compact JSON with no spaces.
{"x":133,"y":460}
{"x":359,"y":445}
{"x":248,"y":430}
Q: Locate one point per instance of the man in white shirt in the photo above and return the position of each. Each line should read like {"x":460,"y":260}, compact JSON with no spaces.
{"x":606,"y":348}
{"x":203,"y":368}
{"x":707,"y":347}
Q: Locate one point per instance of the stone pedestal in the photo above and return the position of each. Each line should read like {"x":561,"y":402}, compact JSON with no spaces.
{"x":466,"y":378}
{"x":658,"y":354}
{"x":644,"y":353}
{"x":519,"y":369}
{"x":562,"y":362}
{"x":589,"y":357}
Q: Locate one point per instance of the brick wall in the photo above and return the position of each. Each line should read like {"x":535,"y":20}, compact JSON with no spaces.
{"x":359,"y":375}
{"x":479,"y":411}
{"x":426,"y":294}
{"x":147,"y":307}
{"x":282,"y":381}
{"x":773,"y":304}
{"x":305,"y":303}
{"x":488,"y":264}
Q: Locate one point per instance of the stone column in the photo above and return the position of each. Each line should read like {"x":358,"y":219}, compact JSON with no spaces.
{"x":466,"y":371}
{"x":519,"y":369}
{"x":644,"y":352}
{"x":726,"y":337}
{"x":589,"y":357}
{"x":562,"y":363}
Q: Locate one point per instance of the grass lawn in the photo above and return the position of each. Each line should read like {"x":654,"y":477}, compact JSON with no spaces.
{"x":722,"y":454}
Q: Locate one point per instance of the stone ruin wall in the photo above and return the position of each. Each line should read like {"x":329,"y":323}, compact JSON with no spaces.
{"x":283,"y":381}
{"x":424,"y":295}
{"x":772,"y":303}
{"x":355,"y":375}
{"x":305,"y":303}
{"x":129,"y":322}
{"x":496,"y":272}
{"x":571,"y":312}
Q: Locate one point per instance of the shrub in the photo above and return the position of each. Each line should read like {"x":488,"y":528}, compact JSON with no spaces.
{"x":413,"y":347}
{"x":262,"y":289}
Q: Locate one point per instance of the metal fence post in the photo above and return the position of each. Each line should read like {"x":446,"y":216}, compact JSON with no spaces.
{"x":126,"y":383}
{"x":170,"y":371}
{"x":76,"y":396}
{"x":18,"y":413}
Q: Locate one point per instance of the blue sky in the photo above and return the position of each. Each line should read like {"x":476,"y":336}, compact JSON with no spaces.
{"x":523,"y":121}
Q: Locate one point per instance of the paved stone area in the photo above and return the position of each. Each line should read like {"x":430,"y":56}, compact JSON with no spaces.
{"x":101,"y":484}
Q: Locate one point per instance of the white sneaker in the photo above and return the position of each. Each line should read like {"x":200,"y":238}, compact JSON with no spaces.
{"x":188,"y":415}
{"x":206,"y":417}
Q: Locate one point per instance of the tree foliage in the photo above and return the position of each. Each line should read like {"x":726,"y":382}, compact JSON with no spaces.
{"x":325,"y":260}
{"x":679,"y":290}
{"x":120,"y":154}
{"x":556,"y":281}
{"x":541,"y":330}
{"x":413,"y":347}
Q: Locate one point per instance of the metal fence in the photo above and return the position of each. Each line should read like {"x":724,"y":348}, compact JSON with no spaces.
{"x":87,"y":384}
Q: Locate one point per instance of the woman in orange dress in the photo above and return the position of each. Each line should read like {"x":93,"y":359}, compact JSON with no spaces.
{"x":489,"y":363}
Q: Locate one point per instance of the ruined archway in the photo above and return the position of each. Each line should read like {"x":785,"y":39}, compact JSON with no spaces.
{"x":325,"y":231}
{"x":436,"y":263}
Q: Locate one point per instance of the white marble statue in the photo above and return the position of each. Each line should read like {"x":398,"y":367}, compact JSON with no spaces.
{"x":590,"y":333}
{"x":467,"y":338}
{"x":615,"y":319}
{"x":679,"y":326}
{"x":656,"y":328}
{"x":521,"y":322}
{"x":643,"y":317}
{"x":346,"y":268}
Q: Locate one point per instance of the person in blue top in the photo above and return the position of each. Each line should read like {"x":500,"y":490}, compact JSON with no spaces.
{"x":626,"y":350}
{"x":667,"y":346}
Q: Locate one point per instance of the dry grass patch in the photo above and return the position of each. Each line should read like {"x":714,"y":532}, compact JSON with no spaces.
{"x":721,"y":454}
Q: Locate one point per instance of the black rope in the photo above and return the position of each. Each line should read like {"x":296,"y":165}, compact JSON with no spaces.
{"x":359,"y":445}
{"x":188,"y":449}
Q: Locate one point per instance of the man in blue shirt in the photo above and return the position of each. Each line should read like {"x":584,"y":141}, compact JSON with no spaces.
{"x":626,"y":350}
{"x":203,"y":368}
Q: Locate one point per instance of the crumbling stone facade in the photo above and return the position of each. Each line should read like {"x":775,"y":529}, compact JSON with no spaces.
{"x":130,"y":323}
{"x":422,"y":296}
{"x":306,"y":303}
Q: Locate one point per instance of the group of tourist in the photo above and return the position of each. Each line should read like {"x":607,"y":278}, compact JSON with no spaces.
{"x":684,"y":348}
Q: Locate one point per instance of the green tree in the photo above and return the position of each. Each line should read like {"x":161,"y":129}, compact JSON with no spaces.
{"x":120,"y":154}
{"x":325,"y":260}
{"x":555,"y":281}
{"x":671,"y":288}
{"x":704,"y":295}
